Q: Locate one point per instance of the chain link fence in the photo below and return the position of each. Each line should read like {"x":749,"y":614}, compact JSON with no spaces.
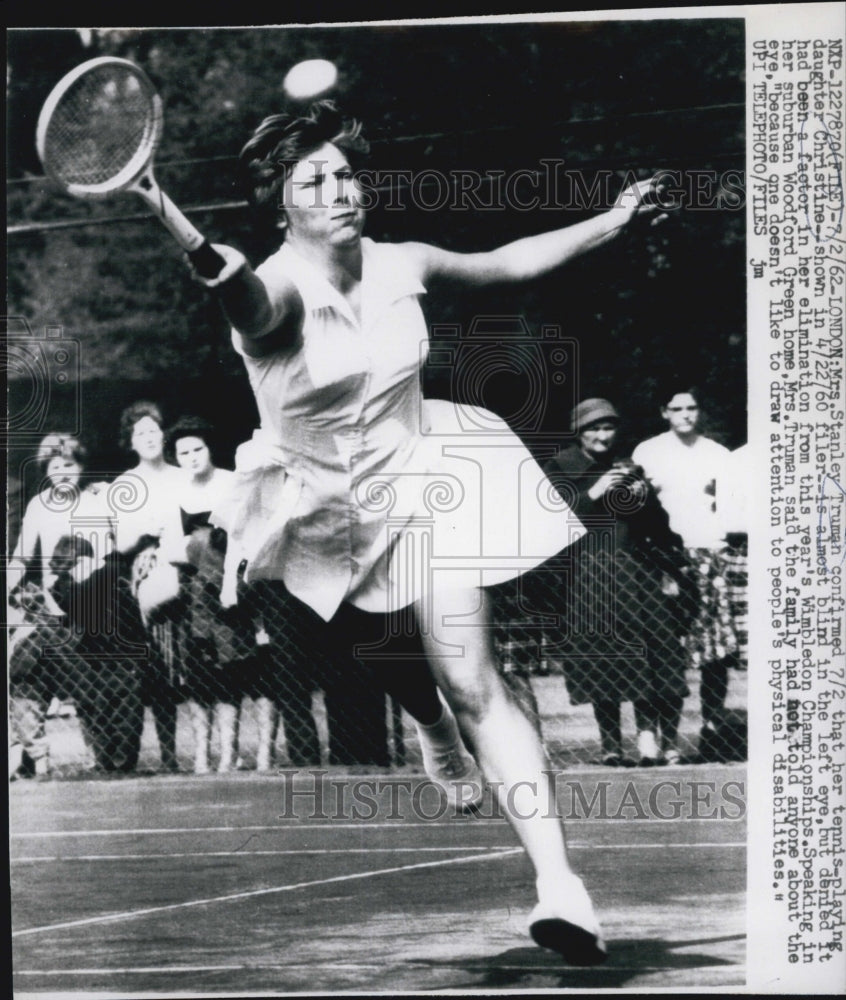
{"x":132,"y":665}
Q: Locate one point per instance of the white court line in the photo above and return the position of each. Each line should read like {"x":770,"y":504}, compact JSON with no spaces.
{"x":293,"y":824}
{"x":132,"y":914}
{"x":134,"y":969}
{"x":242,"y":854}
{"x":548,"y":967}
{"x":358,"y":850}
{"x":328,"y":825}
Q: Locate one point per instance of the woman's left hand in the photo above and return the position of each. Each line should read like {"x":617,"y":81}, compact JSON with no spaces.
{"x":643,"y":199}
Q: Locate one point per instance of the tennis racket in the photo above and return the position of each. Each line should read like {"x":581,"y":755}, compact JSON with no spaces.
{"x":97,"y":134}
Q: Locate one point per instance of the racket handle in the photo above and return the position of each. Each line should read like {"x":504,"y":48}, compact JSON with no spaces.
{"x":206,"y":260}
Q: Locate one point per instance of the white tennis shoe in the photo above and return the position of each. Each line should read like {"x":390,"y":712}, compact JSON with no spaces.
{"x":565,"y":922}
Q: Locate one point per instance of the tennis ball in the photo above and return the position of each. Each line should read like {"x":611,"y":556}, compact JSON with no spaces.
{"x":310,"y":78}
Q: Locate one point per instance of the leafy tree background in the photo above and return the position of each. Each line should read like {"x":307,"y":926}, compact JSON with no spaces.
{"x":627,"y":95}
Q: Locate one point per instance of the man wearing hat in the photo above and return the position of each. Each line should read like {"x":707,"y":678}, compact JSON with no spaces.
{"x":617,"y":639}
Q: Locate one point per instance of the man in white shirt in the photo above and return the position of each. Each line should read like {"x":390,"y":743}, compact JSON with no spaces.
{"x":686,"y":470}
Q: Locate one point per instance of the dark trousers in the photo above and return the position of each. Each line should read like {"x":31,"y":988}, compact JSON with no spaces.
{"x":163,"y":700}
{"x":110,"y":710}
{"x":282,"y":675}
{"x":160,"y":689}
{"x":288,"y":666}
{"x":355,"y":658}
{"x":713,"y":688}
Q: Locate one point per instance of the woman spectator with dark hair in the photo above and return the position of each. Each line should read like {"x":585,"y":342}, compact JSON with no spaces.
{"x":149,"y":526}
{"x":218,"y":643}
{"x":148,"y":487}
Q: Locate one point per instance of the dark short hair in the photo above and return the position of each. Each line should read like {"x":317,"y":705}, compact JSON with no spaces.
{"x":60,"y":445}
{"x":282,"y":140}
{"x":130,"y":417}
{"x":188,"y":426}
{"x":677,"y":387}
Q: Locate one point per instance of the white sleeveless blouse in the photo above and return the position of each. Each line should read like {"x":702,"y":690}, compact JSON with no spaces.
{"x":356,"y":488}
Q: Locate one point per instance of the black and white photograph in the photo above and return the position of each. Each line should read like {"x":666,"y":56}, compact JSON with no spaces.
{"x":390,"y":406}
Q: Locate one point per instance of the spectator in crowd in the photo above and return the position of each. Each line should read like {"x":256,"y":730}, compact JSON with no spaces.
{"x":93,"y":588}
{"x":330,"y":329}
{"x":621,"y":640}
{"x":218,"y":642}
{"x":222,"y":662}
{"x":686,"y":469}
{"x":147,"y":490}
{"x":148,"y":525}
{"x":41,"y":647}
{"x":61,"y":462}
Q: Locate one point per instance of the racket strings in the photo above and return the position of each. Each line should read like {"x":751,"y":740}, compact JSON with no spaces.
{"x":100,"y":126}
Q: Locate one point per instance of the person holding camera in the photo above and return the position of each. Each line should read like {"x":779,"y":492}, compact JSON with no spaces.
{"x":619,"y":637}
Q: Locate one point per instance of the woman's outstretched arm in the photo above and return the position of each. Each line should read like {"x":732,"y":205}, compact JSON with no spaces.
{"x":534,"y":256}
{"x":266,"y":318}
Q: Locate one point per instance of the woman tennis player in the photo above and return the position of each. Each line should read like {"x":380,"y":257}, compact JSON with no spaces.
{"x":348,"y":471}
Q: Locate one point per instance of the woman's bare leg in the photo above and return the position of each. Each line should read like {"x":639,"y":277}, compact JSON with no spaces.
{"x":459,"y":643}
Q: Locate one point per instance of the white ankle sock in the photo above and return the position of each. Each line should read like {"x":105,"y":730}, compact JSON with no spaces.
{"x":556,"y":882}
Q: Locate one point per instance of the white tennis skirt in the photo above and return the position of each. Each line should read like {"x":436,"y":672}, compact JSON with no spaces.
{"x":468,"y":508}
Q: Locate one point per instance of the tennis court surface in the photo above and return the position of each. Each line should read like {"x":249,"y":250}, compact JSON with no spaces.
{"x":246,"y":883}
